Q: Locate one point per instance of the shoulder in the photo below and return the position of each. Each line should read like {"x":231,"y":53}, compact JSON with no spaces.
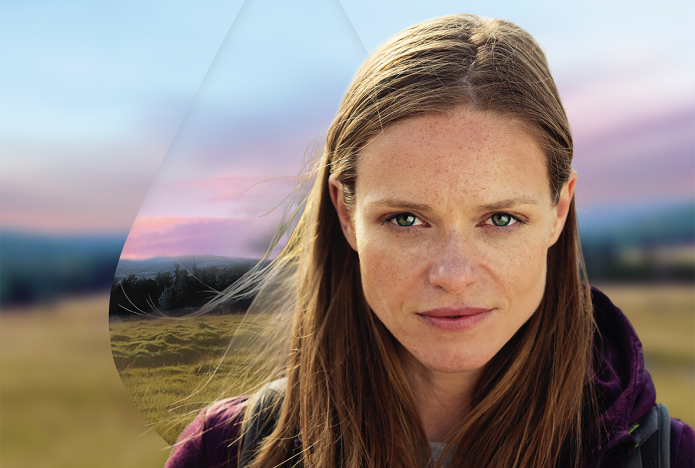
{"x":210,"y":441}
{"x":682,"y":445}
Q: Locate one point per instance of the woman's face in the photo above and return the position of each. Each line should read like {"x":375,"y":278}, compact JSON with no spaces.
{"x":452,"y":221}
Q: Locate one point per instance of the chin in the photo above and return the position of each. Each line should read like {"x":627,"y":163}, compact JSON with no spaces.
{"x":448,"y":362}
{"x":455,"y":368}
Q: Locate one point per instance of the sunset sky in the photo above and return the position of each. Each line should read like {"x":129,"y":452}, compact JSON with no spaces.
{"x":189,"y":122}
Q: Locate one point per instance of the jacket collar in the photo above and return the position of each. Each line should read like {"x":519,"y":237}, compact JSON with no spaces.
{"x":624,"y":387}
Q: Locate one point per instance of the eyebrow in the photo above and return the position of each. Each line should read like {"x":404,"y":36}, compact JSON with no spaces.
{"x":496,"y":206}
{"x":509,"y":203}
{"x":401,"y":204}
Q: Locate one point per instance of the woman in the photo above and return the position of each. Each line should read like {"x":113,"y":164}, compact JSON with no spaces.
{"x":435,"y":281}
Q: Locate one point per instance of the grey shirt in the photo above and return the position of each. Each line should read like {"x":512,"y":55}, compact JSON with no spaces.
{"x":437,"y":448}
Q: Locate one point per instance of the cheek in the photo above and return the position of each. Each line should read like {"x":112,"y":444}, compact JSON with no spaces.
{"x":522,"y":262}
{"x":521,"y":273}
{"x":387,"y":271}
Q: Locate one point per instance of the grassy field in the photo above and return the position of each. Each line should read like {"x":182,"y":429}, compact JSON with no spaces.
{"x":165,"y":362}
{"x":175,"y":367}
{"x":63,"y":403}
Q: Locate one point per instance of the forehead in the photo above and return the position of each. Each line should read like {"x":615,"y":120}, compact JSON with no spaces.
{"x":476,"y":155}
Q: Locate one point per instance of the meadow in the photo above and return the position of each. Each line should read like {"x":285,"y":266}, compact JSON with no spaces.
{"x":174,"y":367}
{"x":63,"y":403}
{"x":168,"y":365}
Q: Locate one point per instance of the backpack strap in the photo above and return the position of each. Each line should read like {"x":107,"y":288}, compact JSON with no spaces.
{"x":652,"y":435}
{"x":264,"y":417}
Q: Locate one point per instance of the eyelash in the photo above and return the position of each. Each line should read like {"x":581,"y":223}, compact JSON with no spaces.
{"x":510,"y":227}
{"x":398,"y":228}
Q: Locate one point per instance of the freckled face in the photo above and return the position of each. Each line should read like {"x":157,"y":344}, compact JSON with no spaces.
{"x":452,"y":222}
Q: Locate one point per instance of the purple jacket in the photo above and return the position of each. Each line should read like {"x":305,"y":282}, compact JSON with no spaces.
{"x":624,"y":385}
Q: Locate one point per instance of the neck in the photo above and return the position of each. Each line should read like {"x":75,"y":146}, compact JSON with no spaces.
{"x":443,"y":399}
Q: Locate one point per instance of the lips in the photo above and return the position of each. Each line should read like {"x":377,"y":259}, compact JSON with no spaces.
{"x":454,"y":318}
{"x":454,"y":311}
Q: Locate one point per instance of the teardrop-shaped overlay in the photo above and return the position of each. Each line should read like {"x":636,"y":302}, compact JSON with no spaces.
{"x":217,"y":201}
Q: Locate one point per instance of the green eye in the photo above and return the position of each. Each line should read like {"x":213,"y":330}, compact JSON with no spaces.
{"x":501,"y":219}
{"x":405,"y":219}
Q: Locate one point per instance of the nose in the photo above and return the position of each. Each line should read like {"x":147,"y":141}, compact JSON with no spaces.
{"x":454,"y":265}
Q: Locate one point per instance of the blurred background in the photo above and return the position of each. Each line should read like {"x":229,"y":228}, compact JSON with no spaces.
{"x":148,"y":129}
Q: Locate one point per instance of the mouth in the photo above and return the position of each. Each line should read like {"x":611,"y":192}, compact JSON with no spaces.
{"x":454,"y":319}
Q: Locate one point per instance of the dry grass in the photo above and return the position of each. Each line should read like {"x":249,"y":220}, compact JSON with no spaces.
{"x":175,"y":367}
{"x":63,"y":403}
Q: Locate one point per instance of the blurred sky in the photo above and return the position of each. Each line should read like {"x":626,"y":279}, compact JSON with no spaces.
{"x":179,"y":113}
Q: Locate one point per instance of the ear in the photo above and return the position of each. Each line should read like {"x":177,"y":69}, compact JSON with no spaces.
{"x":562,"y":208}
{"x":336,"y":191}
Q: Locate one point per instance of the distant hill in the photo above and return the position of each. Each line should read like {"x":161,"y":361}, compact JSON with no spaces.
{"x":657,"y":223}
{"x":150,"y":267}
{"x":655,"y":242}
{"x":39,"y":268}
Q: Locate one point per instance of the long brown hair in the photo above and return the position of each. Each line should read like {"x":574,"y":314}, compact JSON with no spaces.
{"x":347,"y":397}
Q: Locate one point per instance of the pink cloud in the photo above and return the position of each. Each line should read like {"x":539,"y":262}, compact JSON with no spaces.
{"x":623,"y":92}
{"x":649,"y":159}
{"x":238,"y":196}
{"x":173,"y":236}
{"x":232,"y":188}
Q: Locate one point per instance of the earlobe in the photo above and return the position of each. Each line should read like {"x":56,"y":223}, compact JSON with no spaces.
{"x":563,"y":207}
{"x":336,"y":190}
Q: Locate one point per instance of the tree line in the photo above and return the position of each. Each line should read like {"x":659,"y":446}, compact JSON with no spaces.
{"x":180,"y":289}
{"x":606,"y":262}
